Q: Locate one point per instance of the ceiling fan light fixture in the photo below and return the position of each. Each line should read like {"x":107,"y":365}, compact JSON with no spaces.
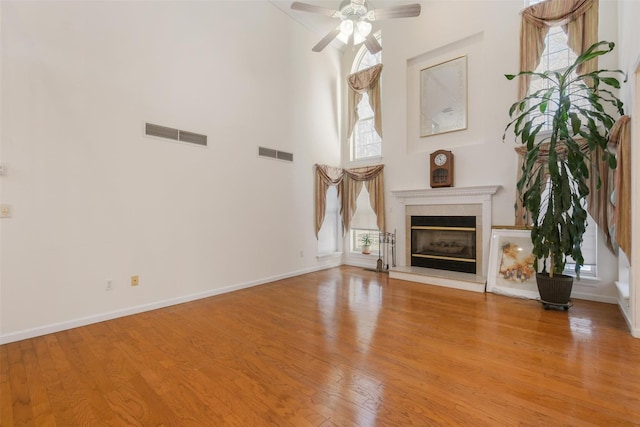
{"x":356,"y":17}
{"x":346,"y":27}
{"x":362,"y":31}
{"x":364,"y":28}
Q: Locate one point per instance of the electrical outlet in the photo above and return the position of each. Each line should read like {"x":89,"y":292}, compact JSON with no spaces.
{"x":135,"y":280}
{"x":5,"y":211}
{"x":109,"y":286}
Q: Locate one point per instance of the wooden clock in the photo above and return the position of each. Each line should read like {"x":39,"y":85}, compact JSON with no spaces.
{"x":441,"y":166}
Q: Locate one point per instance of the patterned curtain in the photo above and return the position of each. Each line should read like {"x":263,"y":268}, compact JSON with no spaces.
{"x":579,"y":20}
{"x":349,"y":182}
{"x":364,"y":81}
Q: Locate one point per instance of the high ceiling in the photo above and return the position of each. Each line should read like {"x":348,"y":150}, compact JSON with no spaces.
{"x":320,"y":24}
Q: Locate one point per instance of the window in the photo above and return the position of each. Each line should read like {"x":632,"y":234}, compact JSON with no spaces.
{"x":589,"y":247}
{"x":364,"y":221}
{"x":589,"y":252}
{"x":330,"y":234}
{"x":557,"y":56}
{"x":356,"y":240}
{"x":365,"y":141}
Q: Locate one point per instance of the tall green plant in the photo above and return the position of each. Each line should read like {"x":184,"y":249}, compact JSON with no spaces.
{"x":559,"y":214}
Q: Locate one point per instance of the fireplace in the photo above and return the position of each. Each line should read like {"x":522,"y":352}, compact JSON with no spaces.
{"x":473,"y":202}
{"x":444,"y":242}
{"x":452,"y":203}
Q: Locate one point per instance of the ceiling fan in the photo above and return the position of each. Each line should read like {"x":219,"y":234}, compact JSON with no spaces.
{"x":356,"y":16}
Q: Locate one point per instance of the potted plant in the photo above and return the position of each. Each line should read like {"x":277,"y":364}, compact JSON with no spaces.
{"x":553,"y":187}
{"x":365,"y":240}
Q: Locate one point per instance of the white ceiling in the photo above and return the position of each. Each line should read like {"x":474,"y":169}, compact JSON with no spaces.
{"x":321,"y":24}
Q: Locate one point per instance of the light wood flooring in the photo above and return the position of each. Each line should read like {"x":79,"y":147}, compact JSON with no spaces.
{"x":340,"y":347}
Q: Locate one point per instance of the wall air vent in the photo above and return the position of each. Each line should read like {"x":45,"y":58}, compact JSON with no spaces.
{"x":175,"y":134}
{"x":275,"y":154}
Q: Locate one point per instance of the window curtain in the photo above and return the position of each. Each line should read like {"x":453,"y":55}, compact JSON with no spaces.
{"x":367,"y":80}
{"x":325,"y":177}
{"x":579,"y":20}
{"x":618,"y":198}
{"x":350,"y":182}
{"x":616,"y":183}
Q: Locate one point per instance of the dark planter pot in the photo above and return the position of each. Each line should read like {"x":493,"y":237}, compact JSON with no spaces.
{"x":555,"y":290}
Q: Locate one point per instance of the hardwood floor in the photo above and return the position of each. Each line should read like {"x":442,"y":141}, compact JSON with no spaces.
{"x":339,"y":347}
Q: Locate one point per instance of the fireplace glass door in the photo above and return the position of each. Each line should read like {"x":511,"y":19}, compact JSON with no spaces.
{"x":444,"y":242}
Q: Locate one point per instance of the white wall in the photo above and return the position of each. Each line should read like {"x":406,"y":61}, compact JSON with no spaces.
{"x":94,"y":199}
{"x":487,"y":32}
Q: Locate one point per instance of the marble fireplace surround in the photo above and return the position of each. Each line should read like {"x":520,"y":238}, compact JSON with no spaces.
{"x":472,"y":201}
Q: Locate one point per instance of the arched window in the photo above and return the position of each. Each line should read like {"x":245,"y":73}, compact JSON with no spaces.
{"x":365,"y":142}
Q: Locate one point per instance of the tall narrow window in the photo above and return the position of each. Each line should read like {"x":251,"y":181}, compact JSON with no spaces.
{"x":557,"y":56}
{"x":364,"y":222}
{"x":589,"y":245}
{"x":330,"y":234}
{"x":365,"y":142}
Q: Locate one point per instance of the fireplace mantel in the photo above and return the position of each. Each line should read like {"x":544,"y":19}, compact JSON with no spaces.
{"x":421,"y":198}
{"x":429,"y":196}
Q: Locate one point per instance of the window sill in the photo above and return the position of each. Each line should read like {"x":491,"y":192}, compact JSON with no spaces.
{"x":328,"y":255}
{"x":366,"y":161}
{"x":360,"y":254}
{"x":587,"y":280}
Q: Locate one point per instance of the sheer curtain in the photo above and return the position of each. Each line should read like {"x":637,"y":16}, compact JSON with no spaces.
{"x":579,"y":20}
{"x":349,"y":182}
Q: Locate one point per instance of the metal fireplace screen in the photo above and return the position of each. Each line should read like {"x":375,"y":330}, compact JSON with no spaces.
{"x":444,"y":242}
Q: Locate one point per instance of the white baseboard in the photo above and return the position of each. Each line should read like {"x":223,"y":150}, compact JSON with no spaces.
{"x":635,"y":332}
{"x":594,"y":297}
{"x":360,"y":263}
{"x":83,"y":321}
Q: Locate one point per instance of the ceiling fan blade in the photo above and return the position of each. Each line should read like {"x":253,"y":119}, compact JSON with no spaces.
{"x":372,"y":44}
{"x":407,"y":11}
{"x":326,"y":40}
{"x":305,"y":7}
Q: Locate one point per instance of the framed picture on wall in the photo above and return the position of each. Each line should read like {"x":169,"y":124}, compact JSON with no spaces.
{"x":511,"y":270}
{"x":443,"y":97}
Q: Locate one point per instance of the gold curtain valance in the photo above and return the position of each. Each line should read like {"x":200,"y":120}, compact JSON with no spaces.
{"x":349,"y":183}
{"x":579,"y":20}
{"x":367,"y":80}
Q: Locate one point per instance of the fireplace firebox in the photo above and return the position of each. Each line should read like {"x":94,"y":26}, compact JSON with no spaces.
{"x":444,"y":242}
